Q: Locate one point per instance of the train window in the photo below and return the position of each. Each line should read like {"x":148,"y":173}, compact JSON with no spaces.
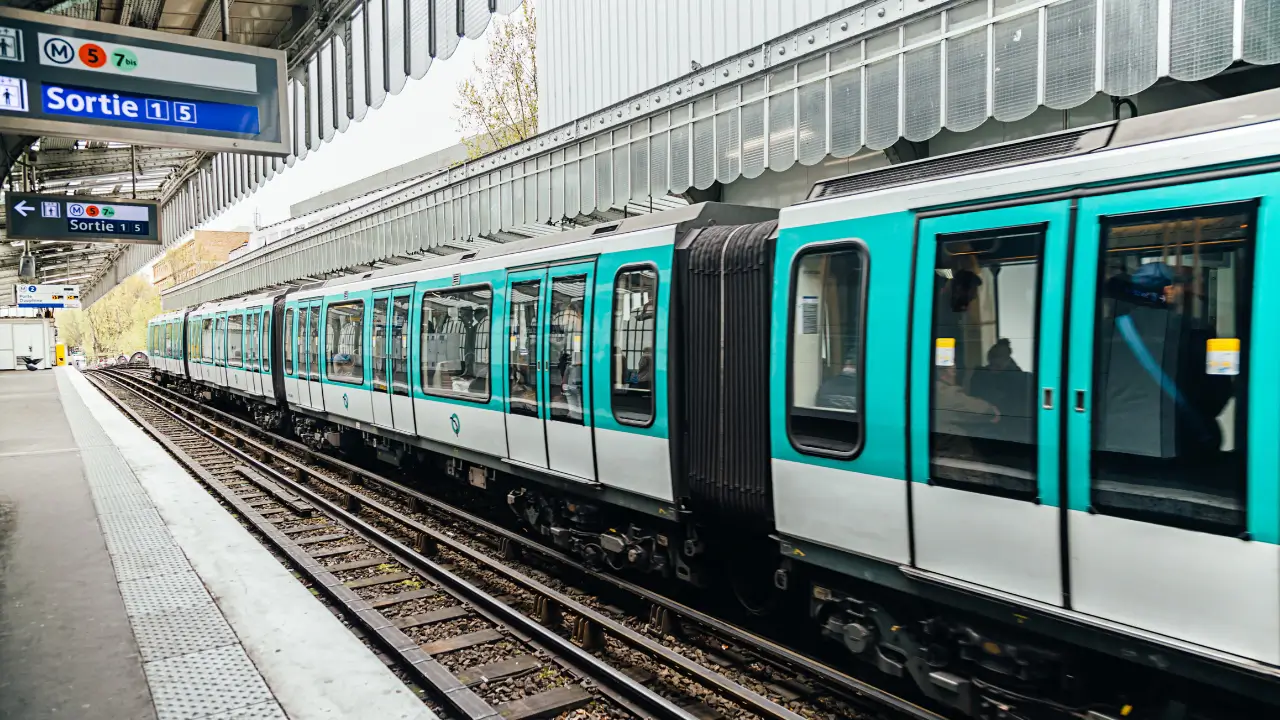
{"x":565,"y":348}
{"x":235,"y":340}
{"x":635,"y":298}
{"x":400,"y":345}
{"x":379,"y":349}
{"x":206,"y":344}
{"x":290,"y":333}
{"x":523,"y":359}
{"x":266,"y":341}
{"x":220,"y":342}
{"x":251,"y":342}
{"x":1170,"y":368}
{"x":313,"y":342}
{"x":825,"y":385}
{"x":986,"y":288}
{"x":344,"y":342}
{"x":455,"y":343}
{"x":168,"y":340}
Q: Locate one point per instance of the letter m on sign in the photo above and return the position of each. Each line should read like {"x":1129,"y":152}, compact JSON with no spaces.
{"x":59,"y":50}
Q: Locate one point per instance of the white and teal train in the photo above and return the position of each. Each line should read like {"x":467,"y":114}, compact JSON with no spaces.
{"x":1004,"y":417}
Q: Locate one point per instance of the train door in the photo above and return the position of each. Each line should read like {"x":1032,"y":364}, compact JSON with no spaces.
{"x":379,"y":342}
{"x":303,"y":352}
{"x":203,"y":369}
{"x":253,"y":350}
{"x":266,"y":377}
{"x":549,"y":420}
{"x":237,"y":377}
{"x":292,"y":359}
{"x":220,"y":349}
{"x":985,"y":396}
{"x":526,"y":433}
{"x":315,"y":327}
{"x":1173,"y":514}
{"x":402,"y":417}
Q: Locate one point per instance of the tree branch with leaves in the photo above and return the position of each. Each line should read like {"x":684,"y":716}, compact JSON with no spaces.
{"x":498,"y":105}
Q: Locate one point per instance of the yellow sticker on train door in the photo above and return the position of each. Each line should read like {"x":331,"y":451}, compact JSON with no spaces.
{"x":1222,"y":356}
{"x":944,"y":352}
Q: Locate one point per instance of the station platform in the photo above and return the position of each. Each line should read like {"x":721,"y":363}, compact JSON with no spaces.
{"x":127,"y":592}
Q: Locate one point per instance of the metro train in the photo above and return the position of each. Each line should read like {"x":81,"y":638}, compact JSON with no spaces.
{"x":1000,"y":416}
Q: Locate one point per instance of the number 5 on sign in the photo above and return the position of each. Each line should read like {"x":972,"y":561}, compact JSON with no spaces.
{"x":184,"y":112}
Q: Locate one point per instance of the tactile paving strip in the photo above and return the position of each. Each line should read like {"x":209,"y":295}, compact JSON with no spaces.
{"x":135,"y":565}
{"x":194,"y":664}
{"x":164,"y":592}
{"x":179,"y":632}
{"x":203,"y":683}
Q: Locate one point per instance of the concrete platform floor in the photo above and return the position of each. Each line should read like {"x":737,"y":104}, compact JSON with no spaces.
{"x":67,"y":649}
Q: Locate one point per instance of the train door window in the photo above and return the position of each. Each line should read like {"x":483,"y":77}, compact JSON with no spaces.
{"x":290,"y":333}
{"x":252,"y":342}
{"x":206,"y":342}
{"x":400,"y":345}
{"x":379,"y":349}
{"x":565,"y":348}
{"x":1170,"y":369}
{"x":219,"y":341}
{"x":235,"y":340}
{"x":266,"y":341}
{"x":825,"y":385}
{"x":455,"y":343}
{"x":635,"y":298}
{"x":985,"y":341}
{"x":344,"y":342}
{"x":523,"y":359}
{"x":313,"y":342}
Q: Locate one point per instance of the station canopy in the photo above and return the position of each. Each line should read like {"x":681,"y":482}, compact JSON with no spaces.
{"x":325,"y":42}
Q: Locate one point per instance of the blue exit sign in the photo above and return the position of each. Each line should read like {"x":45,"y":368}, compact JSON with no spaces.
{"x":149,"y":109}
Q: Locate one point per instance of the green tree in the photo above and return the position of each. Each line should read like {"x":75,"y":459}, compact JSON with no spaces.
{"x":76,"y":331}
{"x":119,"y":319}
{"x":498,"y":106}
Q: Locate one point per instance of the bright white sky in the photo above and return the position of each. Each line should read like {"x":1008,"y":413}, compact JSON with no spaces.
{"x":417,"y":122}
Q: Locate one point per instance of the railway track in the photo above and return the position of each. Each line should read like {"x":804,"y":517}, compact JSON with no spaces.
{"x":450,"y":595}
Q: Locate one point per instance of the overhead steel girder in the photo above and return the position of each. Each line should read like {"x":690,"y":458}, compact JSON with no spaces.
{"x":141,"y":13}
{"x":74,"y":164}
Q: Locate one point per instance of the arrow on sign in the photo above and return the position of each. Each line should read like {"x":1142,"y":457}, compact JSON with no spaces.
{"x":23,"y":208}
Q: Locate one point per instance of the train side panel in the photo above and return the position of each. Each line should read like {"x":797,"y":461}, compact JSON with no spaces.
{"x":837,"y":435}
{"x":630,"y":381}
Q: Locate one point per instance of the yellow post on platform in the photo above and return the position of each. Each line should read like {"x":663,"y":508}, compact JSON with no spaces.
{"x":60,"y":350}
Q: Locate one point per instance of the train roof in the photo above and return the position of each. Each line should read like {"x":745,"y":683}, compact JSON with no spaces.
{"x":699,"y":215}
{"x":236,"y":303}
{"x":1224,"y":114}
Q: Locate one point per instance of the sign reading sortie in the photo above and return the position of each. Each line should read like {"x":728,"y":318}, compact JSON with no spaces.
{"x":65,"y":77}
{"x":66,"y":217}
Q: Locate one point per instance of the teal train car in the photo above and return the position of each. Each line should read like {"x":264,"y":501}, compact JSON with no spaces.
{"x":994,"y":422}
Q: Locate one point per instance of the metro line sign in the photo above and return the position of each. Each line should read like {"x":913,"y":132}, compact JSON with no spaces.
{"x":88,"y":219}
{"x":65,"y":77}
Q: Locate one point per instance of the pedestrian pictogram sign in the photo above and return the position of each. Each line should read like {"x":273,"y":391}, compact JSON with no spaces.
{"x":13,"y":94}
{"x":10,"y":44}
